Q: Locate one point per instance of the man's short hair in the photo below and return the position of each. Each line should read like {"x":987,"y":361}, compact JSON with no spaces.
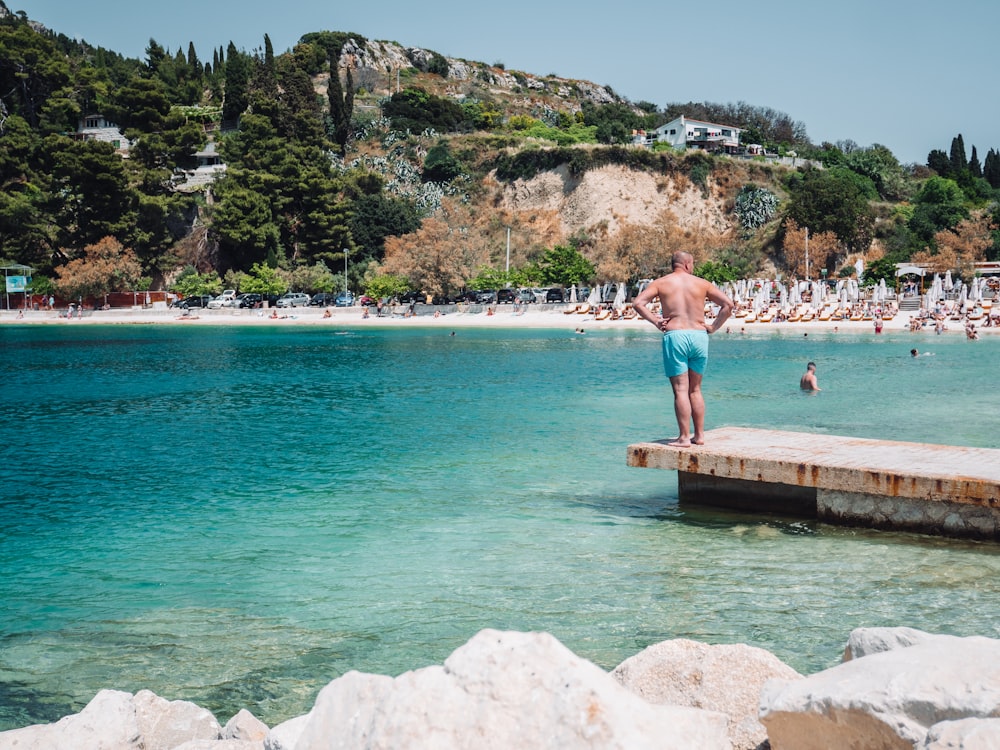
{"x":680,"y":258}
{"x":811,"y":364}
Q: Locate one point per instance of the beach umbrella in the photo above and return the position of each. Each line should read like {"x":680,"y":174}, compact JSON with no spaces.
{"x":736,"y":295}
{"x":859,"y":266}
{"x":595,"y":296}
{"x":817,"y":294}
{"x":794,"y":295}
{"x":572,"y":294}
{"x":619,"y":302}
{"x":948,"y":283}
{"x":761,"y":300}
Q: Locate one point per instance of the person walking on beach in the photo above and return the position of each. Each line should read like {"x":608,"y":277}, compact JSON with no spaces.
{"x":682,"y":297}
{"x":808,"y":380}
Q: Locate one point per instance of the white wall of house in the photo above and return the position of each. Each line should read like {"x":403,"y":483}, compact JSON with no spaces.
{"x":98,"y":128}
{"x":683,"y":132}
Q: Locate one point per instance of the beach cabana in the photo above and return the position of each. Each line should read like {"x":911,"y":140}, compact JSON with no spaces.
{"x":910,"y":271}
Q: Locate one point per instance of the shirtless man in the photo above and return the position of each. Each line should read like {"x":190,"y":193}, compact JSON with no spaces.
{"x":808,"y":381}
{"x":685,"y":339}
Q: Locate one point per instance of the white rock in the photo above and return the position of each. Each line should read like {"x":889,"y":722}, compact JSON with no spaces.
{"x":725,"y":678}
{"x":864,"y":641}
{"x":965,"y":734}
{"x":502,"y":690}
{"x":885,"y":700}
{"x":108,"y":722}
{"x":166,"y":724}
{"x":220,"y":745}
{"x":286,"y":735}
{"x":245,"y":726}
{"x":115,"y":720}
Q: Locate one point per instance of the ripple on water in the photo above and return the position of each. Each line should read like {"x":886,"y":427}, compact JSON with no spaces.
{"x":236,"y":517}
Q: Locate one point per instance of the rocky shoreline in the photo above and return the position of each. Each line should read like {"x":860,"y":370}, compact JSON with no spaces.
{"x":895,"y":688}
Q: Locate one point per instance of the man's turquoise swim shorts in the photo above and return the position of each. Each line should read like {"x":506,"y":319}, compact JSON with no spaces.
{"x":684,"y":350}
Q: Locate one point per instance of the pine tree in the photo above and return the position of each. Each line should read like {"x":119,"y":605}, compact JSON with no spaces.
{"x":974,"y":168}
{"x":341,"y":103}
{"x":267,"y":79}
{"x":236,"y":98}
{"x":155,"y":55}
{"x":938,"y":161}
{"x":991,"y":169}
{"x":958,"y":159}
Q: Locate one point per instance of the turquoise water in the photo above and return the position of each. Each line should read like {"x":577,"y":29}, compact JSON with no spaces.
{"x":236,"y":516}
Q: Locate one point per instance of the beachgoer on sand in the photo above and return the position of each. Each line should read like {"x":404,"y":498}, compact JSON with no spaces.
{"x":682,"y":297}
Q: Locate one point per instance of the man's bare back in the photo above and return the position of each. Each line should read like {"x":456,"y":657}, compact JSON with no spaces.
{"x":682,"y":300}
{"x":682,"y":297}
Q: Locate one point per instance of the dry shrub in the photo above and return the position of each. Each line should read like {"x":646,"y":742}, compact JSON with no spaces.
{"x":441,"y":254}
{"x":822,"y":247}
{"x":197,"y":250}
{"x":644,"y":251}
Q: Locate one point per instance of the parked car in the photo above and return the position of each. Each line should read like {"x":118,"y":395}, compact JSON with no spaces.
{"x":293,"y":299}
{"x":367,"y":301}
{"x":195,"y":300}
{"x":250,"y":299}
{"x":344,"y":299}
{"x":526,"y":296}
{"x":506,"y":296}
{"x":223,"y":300}
{"x":408,"y":297}
{"x":486,"y":296}
{"x":323,"y":299}
{"x":555,"y":294}
{"x":466,"y":297}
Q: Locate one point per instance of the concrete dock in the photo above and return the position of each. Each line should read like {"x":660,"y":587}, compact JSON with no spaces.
{"x":935,"y":489}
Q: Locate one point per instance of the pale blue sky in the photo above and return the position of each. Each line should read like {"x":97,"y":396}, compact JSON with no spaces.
{"x":907,"y":75}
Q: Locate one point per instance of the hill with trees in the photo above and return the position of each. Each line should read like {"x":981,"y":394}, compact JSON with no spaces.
{"x":418,"y":168}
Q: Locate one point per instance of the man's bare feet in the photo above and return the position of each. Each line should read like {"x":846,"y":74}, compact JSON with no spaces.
{"x":680,"y":442}
{"x":698,"y":440}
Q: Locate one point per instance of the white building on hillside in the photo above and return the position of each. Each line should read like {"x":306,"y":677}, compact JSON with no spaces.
{"x":98,"y":128}
{"x":683,"y":133}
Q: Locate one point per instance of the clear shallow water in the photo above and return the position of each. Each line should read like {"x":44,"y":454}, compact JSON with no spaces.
{"x":237,"y":516}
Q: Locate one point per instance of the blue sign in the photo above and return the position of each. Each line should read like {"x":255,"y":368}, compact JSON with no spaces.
{"x":17,"y":283}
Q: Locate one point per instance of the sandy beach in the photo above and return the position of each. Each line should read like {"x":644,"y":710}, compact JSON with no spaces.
{"x":505,"y":317}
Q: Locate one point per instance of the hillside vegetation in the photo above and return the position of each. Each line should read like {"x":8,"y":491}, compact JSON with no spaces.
{"x":423,"y":171}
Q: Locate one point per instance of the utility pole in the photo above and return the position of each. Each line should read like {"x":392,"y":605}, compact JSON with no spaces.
{"x":807,"y":253}
{"x":508,"y":254}
{"x":345,"y":271}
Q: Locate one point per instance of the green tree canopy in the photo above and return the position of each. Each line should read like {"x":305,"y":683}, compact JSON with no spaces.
{"x":375,"y":217}
{"x":564,"y":265}
{"x":263,"y":279}
{"x":416,"y":110}
{"x":440,"y":165}
{"x":940,"y":204}
{"x":834,"y":200}
{"x":385,"y":286}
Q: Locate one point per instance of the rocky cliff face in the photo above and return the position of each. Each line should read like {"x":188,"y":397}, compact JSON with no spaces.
{"x":386,"y":58}
{"x":614,"y":197}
